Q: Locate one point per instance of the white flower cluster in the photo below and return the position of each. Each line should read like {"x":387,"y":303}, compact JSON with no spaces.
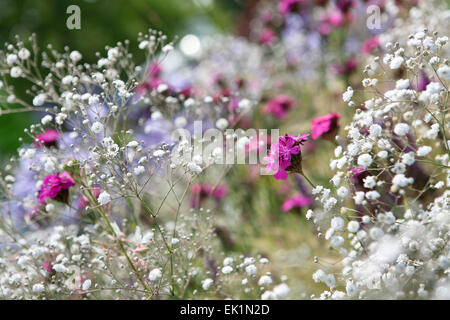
{"x":390,"y":221}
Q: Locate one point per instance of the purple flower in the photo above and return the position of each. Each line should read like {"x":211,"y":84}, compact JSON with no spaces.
{"x":267,"y":36}
{"x":279,"y":106}
{"x":297,"y":200}
{"x":285,"y":156}
{"x":47,"y":138}
{"x":287,"y":6}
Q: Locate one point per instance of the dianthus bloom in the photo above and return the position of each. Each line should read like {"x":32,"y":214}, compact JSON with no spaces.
{"x":285,"y":156}
{"x":267,"y":36}
{"x":47,"y":138}
{"x":201,"y":191}
{"x":56,"y":187}
{"x":370,"y":45}
{"x":287,"y":6}
{"x":422,"y":83}
{"x":347,"y":67}
{"x":298,"y":201}
{"x":356,"y":174}
{"x":345,"y":5}
{"x":153,"y":81}
{"x":331,"y":21}
{"x":279,"y":106}
{"x":47,"y":266}
{"x":326,"y":126}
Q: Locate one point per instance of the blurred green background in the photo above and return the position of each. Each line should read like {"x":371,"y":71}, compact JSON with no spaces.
{"x":103,"y":22}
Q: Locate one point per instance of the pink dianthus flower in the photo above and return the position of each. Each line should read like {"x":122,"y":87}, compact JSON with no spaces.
{"x":326,"y":126}
{"x":285,"y":156}
{"x":56,"y":187}
{"x":279,"y":106}
{"x":47,"y":138}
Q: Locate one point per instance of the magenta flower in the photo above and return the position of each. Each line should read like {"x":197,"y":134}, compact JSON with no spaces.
{"x":422,"y":82}
{"x":201,"y":191}
{"x":47,"y":138}
{"x":279,"y":106}
{"x":347,"y":67}
{"x":267,"y":36}
{"x":298,"y":201}
{"x":331,"y":21}
{"x":33,"y":213}
{"x":285,"y":156}
{"x":357,"y":175}
{"x":56,"y":186}
{"x":370,"y":45}
{"x":266,"y":16}
{"x":153,"y":81}
{"x":287,"y":6}
{"x":325,"y":126}
{"x":344,"y":5}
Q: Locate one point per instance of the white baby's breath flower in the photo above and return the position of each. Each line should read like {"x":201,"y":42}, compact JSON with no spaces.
{"x":104,"y":198}
{"x":206,"y":284}
{"x":402,"y":84}
{"x":155,"y":274}
{"x":401,"y":129}
{"x":365,"y":160}
{"x":227,"y":270}
{"x":372,"y":195}
{"x":444,"y":72}
{"x":46,"y":119}
{"x":353,"y":226}
{"x":15,"y":72}
{"x":251,"y":270}
{"x":60,"y":268}
{"x":24,"y":53}
{"x":38,"y":288}
{"x":39,"y":100}
{"x":424,"y":151}
{"x":222,"y":124}
{"x":11,"y":59}
{"x":86,"y":285}
{"x":143,"y":44}
{"x":97,"y":127}
{"x":139,"y":170}
{"x":75,"y":56}
{"x":342,"y":192}
{"x":401,"y":180}
{"x":265,"y":280}
{"x":167,"y":48}
{"x":281,"y":291}
{"x":396,"y":62}
{"x":347,"y":95}
{"x":192,"y":166}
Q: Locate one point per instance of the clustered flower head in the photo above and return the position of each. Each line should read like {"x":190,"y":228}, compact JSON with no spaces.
{"x":388,"y":210}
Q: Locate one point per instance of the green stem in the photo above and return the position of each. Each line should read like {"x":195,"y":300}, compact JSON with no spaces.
{"x":307,"y":179}
{"x":99,"y":208}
